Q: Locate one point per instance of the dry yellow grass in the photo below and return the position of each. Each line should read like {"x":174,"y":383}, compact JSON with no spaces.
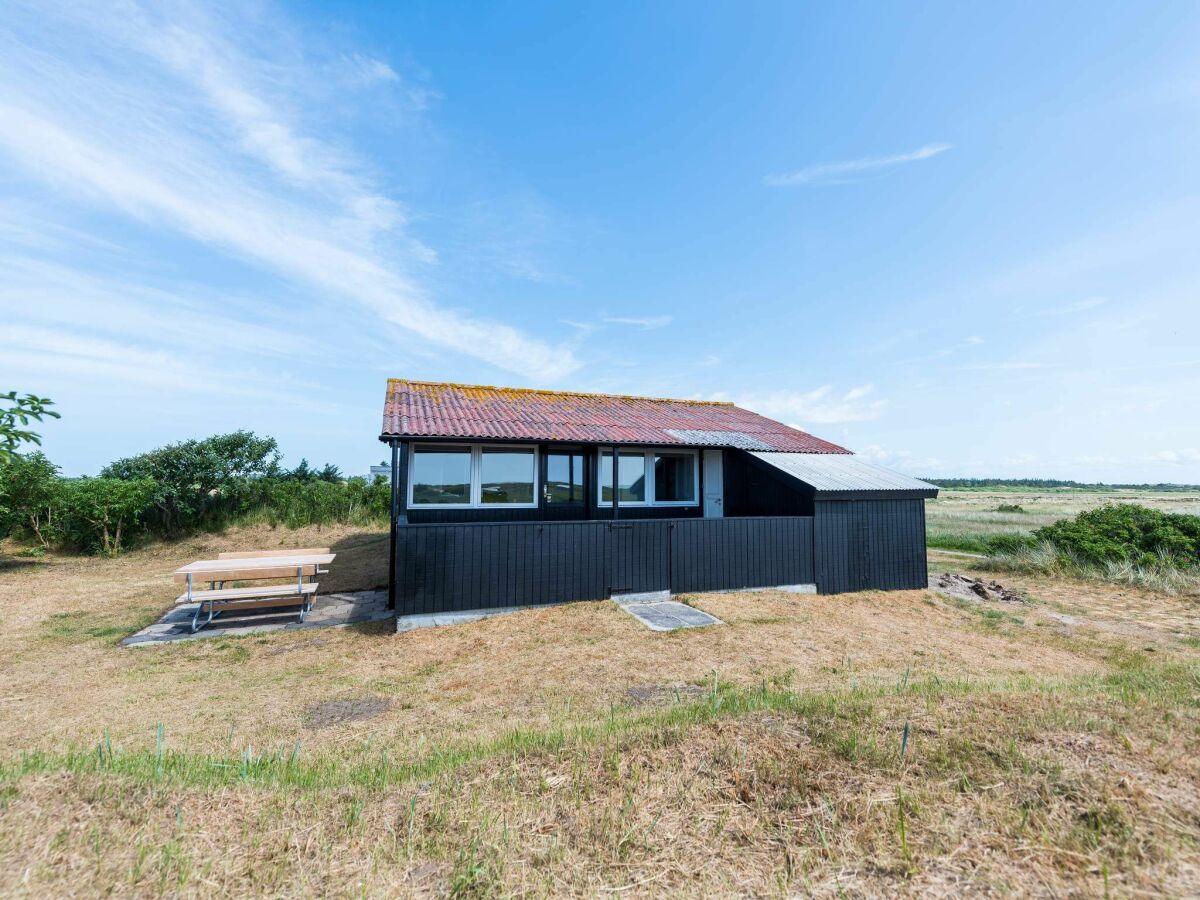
{"x":593,"y":754}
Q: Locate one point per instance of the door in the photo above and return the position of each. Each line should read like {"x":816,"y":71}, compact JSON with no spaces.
{"x":641,"y":557}
{"x":563,"y":483}
{"x":714,"y":484}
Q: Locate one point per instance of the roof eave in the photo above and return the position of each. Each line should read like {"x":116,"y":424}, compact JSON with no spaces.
{"x":876,"y":495}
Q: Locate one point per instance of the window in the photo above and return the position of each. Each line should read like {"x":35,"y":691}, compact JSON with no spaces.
{"x":564,"y":477}
{"x":631,"y":477}
{"x":506,"y":476}
{"x":441,"y":476}
{"x":472,"y":475}
{"x":675,"y":477}
{"x":651,"y":478}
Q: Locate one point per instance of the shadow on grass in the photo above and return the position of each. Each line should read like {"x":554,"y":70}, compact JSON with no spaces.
{"x":361,"y":564}
{"x":381,"y":626}
{"x":13,"y":563}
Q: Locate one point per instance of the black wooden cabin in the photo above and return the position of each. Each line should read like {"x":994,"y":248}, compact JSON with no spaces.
{"x":505,"y":497}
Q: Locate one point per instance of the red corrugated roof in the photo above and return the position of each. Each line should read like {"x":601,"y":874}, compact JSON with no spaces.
{"x":436,"y":409}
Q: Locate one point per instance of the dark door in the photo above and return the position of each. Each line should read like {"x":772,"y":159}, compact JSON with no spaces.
{"x":563,"y":483}
{"x":859,"y":547}
{"x":641,"y":556}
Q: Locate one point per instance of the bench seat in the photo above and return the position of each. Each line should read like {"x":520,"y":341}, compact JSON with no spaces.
{"x":248,"y":597}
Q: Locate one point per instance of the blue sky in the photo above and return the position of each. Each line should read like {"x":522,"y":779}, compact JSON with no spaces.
{"x":959,"y":239}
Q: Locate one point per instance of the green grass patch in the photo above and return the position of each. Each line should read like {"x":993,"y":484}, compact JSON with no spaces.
{"x":81,"y":626}
{"x":957,"y":540}
{"x":990,"y":616}
{"x":830,"y":718}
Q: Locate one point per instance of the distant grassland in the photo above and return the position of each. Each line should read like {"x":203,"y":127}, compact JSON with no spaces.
{"x":1052,"y":484}
{"x":964,"y":518}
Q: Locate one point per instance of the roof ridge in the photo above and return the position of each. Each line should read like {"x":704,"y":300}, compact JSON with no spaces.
{"x":492,"y":387}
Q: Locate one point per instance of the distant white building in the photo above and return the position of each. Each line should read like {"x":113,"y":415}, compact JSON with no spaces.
{"x":382,"y":469}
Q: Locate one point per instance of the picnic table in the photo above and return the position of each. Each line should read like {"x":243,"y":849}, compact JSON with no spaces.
{"x":252,"y":566}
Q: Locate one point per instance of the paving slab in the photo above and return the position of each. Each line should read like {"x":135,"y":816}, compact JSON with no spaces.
{"x":329,"y":611}
{"x":659,"y":613}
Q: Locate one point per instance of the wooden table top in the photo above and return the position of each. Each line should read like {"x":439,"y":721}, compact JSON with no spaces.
{"x":209,"y":566}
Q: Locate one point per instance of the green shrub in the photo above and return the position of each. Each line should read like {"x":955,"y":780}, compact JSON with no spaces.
{"x":99,"y":513}
{"x":1008,"y":543}
{"x":1010,"y":508}
{"x":1127,"y":532}
{"x":191,"y":475}
{"x":29,"y":493}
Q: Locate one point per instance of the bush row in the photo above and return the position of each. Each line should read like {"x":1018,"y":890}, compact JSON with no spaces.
{"x":178,"y":489}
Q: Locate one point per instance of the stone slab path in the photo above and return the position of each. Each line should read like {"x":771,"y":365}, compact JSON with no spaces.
{"x":329,"y":611}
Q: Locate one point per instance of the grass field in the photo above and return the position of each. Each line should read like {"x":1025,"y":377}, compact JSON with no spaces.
{"x":963,"y":519}
{"x":856,"y":745}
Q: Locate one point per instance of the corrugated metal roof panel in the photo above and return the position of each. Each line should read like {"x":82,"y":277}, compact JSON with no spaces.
{"x":704,"y":438}
{"x":829,"y":473}
{"x":434,"y":409}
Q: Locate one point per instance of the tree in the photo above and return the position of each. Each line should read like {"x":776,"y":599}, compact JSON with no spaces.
{"x":103,"y":509}
{"x":23,"y":410}
{"x":302,"y":472}
{"x":189,"y":473}
{"x":29,"y":490}
{"x":305,"y":472}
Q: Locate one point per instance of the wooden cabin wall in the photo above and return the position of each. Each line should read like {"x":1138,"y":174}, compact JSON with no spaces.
{"x":870,"y":545}
{"x":755,"y":489}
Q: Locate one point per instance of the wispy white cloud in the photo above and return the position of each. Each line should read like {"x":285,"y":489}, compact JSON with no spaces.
{"x":48,"y":295}
{"x":646,"y":323}
{"x":851,"y":169}
{"x":367,"y":70}
{"x":1182,"y":456}
{"x":1010,"y":366}
{"x":56,"y":356}
{"x":1020,"y":459}
{"x":900,"y":460}
{"x":165,"y":125}
{"x":1067,"y":309}
{"x":820,"y":406}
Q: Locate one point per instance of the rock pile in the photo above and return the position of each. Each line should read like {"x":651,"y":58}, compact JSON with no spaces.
{"x":974,"y":588}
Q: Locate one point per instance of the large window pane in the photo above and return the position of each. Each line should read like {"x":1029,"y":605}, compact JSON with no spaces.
{"x":506,"y":476}
{"x":564,"y":477}
{"x":632,"y":478}
{"x":441,"y":475}
{"x":675,"y":477}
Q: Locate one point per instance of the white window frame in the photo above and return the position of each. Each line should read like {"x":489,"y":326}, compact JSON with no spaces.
{"x":648,"y":453}
{"x":476,"y":491}
{"x":477,"y":484}
{"x":695,"y":455}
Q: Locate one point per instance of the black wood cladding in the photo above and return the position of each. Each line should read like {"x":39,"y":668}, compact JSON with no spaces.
{"x":870,"y":544}
{"x":447,"y":568}
{"x":847,"y":545}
